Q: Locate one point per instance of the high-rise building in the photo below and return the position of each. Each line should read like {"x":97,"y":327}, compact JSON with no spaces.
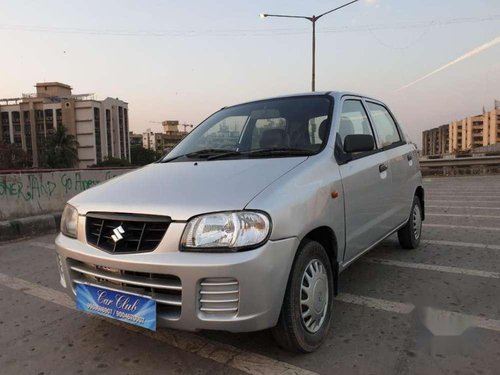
{"x":475,"y":131}
{"x":435,"y":141}
{"x":100,"y":127}
{"x":467,"y":134}
{"x":492,"y":126}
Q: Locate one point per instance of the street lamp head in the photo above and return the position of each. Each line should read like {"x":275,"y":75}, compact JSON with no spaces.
{"x":263,"y":15}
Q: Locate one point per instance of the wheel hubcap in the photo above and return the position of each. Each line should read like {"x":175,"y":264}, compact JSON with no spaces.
{"x":417,"y":222}
{"x":314,"y":295}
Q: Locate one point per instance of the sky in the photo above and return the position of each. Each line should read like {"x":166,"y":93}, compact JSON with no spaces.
{"x":185,"y":59}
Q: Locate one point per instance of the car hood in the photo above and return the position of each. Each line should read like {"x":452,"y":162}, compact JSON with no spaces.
{"x":185,"y":189}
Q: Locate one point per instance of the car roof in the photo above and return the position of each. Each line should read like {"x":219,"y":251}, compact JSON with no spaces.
{"x":334,"y":94}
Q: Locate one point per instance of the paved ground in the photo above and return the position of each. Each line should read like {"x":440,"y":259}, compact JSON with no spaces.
{"x":432,"y":310}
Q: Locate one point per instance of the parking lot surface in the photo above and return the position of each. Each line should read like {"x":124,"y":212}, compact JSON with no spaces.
{"x":433,"y":310}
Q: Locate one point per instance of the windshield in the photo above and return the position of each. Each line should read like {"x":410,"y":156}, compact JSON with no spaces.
{"x":277,"y":127}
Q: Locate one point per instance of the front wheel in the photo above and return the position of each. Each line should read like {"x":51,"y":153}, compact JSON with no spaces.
{"x":307,"y":307}
{"x":409,"y":235}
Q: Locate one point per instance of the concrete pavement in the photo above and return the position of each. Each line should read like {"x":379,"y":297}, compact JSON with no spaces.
{"x":434,"y":310}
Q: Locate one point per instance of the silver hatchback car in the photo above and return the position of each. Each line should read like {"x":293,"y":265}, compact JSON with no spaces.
{"x":249,"y":221}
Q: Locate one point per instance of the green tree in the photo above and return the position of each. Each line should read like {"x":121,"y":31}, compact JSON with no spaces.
{"x":142,"y":156}
{"x":59,"y":150}
{"x":13,"y":157}
{"x":112,"y":162}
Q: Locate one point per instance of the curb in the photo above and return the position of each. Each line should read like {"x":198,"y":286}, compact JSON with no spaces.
{"x":29,"y":226}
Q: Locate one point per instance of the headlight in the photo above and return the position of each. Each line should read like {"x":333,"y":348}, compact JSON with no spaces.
{"x":69,"y":221}
{"x":231,"y":231}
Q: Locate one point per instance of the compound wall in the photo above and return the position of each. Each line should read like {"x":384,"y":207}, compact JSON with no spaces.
{"x":32,"y":193}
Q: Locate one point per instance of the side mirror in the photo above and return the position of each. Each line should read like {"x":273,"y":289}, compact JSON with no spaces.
{"x":358,"y":143}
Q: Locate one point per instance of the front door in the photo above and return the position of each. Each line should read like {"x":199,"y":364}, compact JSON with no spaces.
{"x":366,"y":182}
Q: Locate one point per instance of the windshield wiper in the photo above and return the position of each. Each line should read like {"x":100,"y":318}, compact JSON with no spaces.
{"x":283,"y":151}
{"x":205,"y":153}
{"x":216,"y":153}
{"x":224,"y":154}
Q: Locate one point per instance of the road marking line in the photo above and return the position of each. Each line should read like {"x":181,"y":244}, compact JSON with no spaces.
{"x":462,"y":188}
{"x":463,"y":193}
{"x":42,"y":244}
{"x":461,"y":321}
{"x":446,"y":193}
{"x":462,"y":215}
{"x":470,"y":207}
{"x":225,"y":354}
{"x":35,"y":290}
{"x":439,"y":179}
{"x":433,"y":267}
{"x":376,"y":303}
{"x":461,"y":201}
{"x":459,"y":188}
{"x":462,"y":244}
{"x":459,"y":227}
{"x":443,"y":195}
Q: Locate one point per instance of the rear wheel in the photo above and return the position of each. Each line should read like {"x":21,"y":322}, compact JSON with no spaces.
{"x":409,"y":235}
{"x":307,"y":308}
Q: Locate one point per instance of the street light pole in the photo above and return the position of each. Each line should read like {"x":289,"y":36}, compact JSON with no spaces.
{"x":313,"y":20}
{"x":313,"y":82}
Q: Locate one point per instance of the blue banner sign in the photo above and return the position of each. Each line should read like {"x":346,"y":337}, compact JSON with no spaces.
{"x":126,"y":307}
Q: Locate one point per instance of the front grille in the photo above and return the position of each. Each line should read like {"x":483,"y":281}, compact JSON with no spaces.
{"x":125,"y":233}
{"x":219,"y":296}
{"x":166,"y":290}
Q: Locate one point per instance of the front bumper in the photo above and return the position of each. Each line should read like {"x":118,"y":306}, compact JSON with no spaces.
{"x":260,"y":277}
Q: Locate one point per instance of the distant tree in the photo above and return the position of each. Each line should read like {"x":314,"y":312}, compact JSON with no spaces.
{"x":142,"y":156}
{"x":59,"y":150}
{"x":13,"y":157}
{"x":112,"y":162}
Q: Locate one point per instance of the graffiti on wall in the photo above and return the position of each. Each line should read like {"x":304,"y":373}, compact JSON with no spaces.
{"x":33,"y":187}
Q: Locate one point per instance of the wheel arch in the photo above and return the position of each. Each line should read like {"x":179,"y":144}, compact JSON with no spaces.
{"x":327,"y":238}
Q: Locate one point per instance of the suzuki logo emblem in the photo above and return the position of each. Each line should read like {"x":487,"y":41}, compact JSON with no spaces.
{"x":117,"y":236}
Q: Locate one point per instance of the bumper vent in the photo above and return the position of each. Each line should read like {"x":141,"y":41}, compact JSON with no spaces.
{"x":121,"y":233}
{"x":166,"y":290}
{"x":219,"y":296}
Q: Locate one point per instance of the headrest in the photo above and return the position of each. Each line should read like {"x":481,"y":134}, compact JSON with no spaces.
{"x":273,"y":138}
{"x":322,"y":130}
{"x":346,"y":127}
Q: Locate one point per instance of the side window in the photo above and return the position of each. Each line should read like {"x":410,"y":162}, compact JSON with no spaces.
{"x":387,"y":131}
{"x":353,"y":120}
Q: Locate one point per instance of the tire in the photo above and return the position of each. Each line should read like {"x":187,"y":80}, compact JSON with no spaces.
{"x":409,"y":235}
{"x":294,"y":333}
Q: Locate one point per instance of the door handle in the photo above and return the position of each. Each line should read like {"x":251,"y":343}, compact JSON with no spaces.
{"x":409,"y":157}
{"x":382,"y":168}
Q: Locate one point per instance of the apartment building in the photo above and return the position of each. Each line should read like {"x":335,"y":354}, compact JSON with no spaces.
{"x":436,"y":141}
{"x":475,"y":131}
{"x":148,"y":140}
{"x":166,"y":141}
{"x":135,"y":139}
{"x":100,"y":127}
{"x":457,"y":137}
{"x":463,"y":135}
{"x":492,"y":126}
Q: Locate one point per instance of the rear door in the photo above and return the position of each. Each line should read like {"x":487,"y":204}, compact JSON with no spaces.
{"x":366,"y":182}
{"x":400,"y":158}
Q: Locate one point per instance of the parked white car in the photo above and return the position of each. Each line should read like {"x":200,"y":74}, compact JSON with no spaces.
{"x":249,"y":221}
